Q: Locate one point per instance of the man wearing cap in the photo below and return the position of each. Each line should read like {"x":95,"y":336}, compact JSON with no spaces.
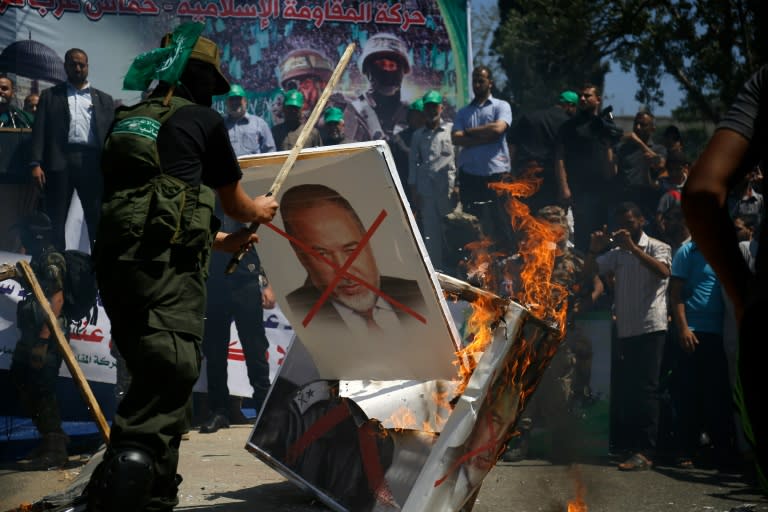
{"x":248,"y":133}
{"x":71,"y":122}
{"x":380,"y":113}
{"x":235,"y":296}
{"x":287,"y":133}
{"x":401,"y":141}
{"x":333,"y":131}
{"x":585,"y":167}
{"x":480,"y":129}
{"x":163,"y":159}
{"x":432,"y":175}
{"x":532,"y":141}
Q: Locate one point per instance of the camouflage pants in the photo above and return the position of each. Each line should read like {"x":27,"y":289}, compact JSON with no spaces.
{"x":34,"y":371}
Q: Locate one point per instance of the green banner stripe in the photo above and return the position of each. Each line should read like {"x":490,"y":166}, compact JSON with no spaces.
{"x":455,"y":18}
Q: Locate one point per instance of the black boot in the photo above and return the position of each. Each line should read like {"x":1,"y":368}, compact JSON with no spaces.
{"x":214,"y":423}
{"x":50,"y":454}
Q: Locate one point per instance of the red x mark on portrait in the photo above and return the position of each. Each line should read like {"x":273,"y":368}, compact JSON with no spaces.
{"x":341,"y":272}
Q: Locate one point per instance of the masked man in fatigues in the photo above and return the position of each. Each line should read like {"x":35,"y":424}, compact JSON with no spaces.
{"x":380,"y":113}
{"x":36,"y":359}
{"x":162,"y":161}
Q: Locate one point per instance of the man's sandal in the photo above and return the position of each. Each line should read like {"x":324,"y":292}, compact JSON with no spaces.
{"x":637,"y":462}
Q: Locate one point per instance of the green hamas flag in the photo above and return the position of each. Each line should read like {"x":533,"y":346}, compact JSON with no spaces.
{"x":166,"y":63}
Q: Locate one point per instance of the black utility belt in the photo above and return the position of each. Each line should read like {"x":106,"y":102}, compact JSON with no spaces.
{"x":82,"y":148}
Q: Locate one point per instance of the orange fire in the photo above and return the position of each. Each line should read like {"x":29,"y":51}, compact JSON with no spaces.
{"x":577,"y":504}
{"x":527,"y":275}
{"x":538,"y":249}
{"x":403,"y":419}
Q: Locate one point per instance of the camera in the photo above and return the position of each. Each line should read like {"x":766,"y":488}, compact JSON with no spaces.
{"x":605,"y":126}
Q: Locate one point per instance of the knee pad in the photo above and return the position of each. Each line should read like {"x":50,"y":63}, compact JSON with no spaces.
{"x":125,"y":482}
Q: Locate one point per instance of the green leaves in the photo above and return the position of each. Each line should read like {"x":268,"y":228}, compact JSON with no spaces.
{"x":709,"y":47}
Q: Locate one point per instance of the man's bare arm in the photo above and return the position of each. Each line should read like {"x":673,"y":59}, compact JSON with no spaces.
{"x":704,"y":204}
{"x":233,"y":242}
{"x":239,"y":206}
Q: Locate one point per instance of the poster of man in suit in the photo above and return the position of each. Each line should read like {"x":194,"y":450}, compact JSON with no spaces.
{"x":349,"y":272}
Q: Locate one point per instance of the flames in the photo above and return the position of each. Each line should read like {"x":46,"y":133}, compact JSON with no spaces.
{"x":577,"y":504}
{"x":403,"y":418}
{"x":537,"y":252}
{"x":525,"y":277}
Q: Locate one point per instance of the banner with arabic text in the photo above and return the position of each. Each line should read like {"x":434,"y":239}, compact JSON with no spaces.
{"x":266,"y":45}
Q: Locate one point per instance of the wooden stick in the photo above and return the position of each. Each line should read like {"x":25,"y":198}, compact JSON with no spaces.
{"x":303,"y":135}
{"x":467,"y":292}
{"x":25,"y":271}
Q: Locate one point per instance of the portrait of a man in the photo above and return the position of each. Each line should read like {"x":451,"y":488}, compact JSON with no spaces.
{"x":343,"y":285}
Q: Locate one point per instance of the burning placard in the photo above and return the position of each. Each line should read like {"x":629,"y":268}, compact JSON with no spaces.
{"x":482,"y":421}
{"x":346,"y":443}
{"x":379,"y":417}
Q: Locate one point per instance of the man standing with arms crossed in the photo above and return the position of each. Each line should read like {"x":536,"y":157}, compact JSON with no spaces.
{"x":480,"y":128}
{"x":71,"y":122}
{"x":163,"y":159}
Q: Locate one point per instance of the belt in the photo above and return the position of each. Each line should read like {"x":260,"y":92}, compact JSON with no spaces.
{"x":81,"y":147}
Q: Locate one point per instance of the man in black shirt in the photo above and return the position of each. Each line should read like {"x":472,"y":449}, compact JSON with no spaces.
{"x":532,"y":141}
{"x":584,"y":166}
{"x":162,"y":161}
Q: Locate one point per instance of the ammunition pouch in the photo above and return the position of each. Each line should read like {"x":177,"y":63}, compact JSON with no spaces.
{"x":29,"y":316}
{"x":148,"y":215}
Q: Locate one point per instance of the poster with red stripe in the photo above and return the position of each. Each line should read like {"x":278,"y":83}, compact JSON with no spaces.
{"x":348,"y":268}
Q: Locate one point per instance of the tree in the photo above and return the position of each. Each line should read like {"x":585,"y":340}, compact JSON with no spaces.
{"x":548,"y":46}
{"x":709,"y":47}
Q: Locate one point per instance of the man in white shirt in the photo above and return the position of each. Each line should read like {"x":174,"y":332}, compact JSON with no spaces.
{"x":71,"y":124}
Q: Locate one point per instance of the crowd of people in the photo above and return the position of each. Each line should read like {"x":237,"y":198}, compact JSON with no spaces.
{"x":616,"y":198}
{"x":617,"y":195}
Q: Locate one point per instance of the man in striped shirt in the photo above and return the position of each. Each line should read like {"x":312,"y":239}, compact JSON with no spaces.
{"x":641,"y":268}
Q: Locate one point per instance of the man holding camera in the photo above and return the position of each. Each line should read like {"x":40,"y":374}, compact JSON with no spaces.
{"x":584,"y":164}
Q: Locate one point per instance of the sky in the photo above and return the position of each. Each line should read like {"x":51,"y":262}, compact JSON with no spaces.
{"x":620,"y":87}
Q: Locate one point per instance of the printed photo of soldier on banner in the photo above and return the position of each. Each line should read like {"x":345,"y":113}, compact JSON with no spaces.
{"x":403,"y":50}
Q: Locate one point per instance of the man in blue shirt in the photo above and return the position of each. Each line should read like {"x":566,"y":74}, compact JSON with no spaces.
{"x":248,"y":133}
{"x":480,"y":128}
{"x":704,"y":401}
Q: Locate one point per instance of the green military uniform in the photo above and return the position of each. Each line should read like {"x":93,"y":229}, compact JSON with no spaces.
{"x":36,"y":362}
{"x":151,"y":258}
